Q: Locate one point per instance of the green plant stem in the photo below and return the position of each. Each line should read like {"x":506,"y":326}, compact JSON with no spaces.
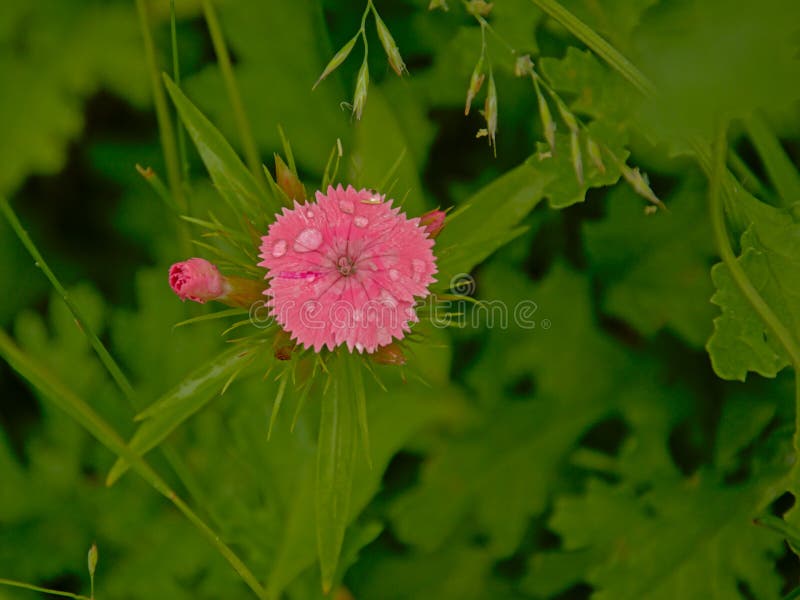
{"x":176,"y":76}
{"x":105,"y":357}
{"x":75,"y":407}
{"x":36,"y":588}
{"x":740,"y":278}
{"x":165,"y":128}
{"x":235,"y":98}
{"x":779,"y":167}
{"x":599,"y":45}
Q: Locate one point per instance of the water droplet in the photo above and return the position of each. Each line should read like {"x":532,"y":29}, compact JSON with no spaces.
{"x":419,"y":266}
{"x":372,"y":200}
{"x":308,"y":240}
{"x":279,"y":249}
{"x":346,"y":206}
{"x":310,"y":214}
{"x":361,"y":222}
{"x":394,"y":274}
{"x":311,"y":277}
{"x":388,"y":299}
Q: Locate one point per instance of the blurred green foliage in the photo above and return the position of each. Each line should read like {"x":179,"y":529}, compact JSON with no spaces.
{"x":598,"y":454}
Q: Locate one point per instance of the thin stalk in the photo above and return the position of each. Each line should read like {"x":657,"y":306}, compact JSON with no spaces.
{"x":165,"y":128}
{"x":79,"y":410}
{"x":600,"y":46}
{"x":103,"y":354}
{"x":740,"y":278}
{"x":235,"y":98}
{"x":176,"y":77}
{"x":36,"y":588}
{"x":123,"y":383}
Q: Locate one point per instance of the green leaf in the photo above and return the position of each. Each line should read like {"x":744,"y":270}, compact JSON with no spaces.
{"x":180,"y":403}
{"x":770,"y":256}
{"x":673,"y":541}
{"x":231,"y":178}
{"x":654,"y":268}
{"x":485,"y":221}
{"x":336,"y":456}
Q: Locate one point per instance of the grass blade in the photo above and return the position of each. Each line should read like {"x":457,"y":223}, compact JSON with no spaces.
{"x":183,"y":401}
{"x":780,"y":169}
{"x":76,"y":408}
{"x":335,"y":469}
{"x":237,"y":185}
{"x":103,"y":354}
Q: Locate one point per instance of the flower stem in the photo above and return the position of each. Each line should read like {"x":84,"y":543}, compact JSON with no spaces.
{"x":234,"y":96}
{"x":103,"y":354}
{"x":78,"y":409}
{"x":600,"y":46}
{"x":36,"y":588}
{"x":166,"y":131}
{"x":740,"y":278}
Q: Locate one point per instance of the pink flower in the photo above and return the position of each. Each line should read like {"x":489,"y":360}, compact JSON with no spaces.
{"x":346,"y":269}
{"x":198,"y":280}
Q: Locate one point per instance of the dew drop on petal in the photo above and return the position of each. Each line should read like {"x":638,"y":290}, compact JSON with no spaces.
{"x":394,"y":274}
{"x":279,"y":249}
{"x":346,"y":206}
{"x":310,"y":214}
{"x":308,"y":240}
{"x":388,"y":299}
{"x":361,"y":222}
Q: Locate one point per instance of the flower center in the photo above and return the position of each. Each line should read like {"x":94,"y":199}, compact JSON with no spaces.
{"x":345,"y":265}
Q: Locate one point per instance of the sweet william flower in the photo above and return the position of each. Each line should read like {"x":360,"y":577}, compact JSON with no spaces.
{"x":346,"y":270}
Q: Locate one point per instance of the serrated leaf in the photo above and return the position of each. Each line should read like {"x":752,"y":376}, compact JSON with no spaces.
{"x":180,"y":403}
{"x":770,"y":257}
{"x":233,"y":181}
{"x":654,"y":268}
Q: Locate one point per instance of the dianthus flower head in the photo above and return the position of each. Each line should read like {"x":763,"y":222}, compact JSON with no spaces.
{"x":346,"y":269}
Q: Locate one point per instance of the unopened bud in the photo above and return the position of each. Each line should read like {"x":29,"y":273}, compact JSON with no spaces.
{"x":595,"y":154}
{"x":524,"y":66}
{"x":198,"y":280}
{"x":548,"y":125}
{"x":475,"y":83}
{"x":337,"y":59}
{"x":639,"y":183}
{"x":391,"y":354}
{"x":433,"y":222}
{"x":577,"y":159}
{"x":283,"y":346}
{"x":567,"y":116}
{"x":490,"y":112}
{"x":479,"y":8}
{"x":362,"y":83}
{"x":288,"y":181}
{"x":92,"y":560}
{"x":390,"y":47}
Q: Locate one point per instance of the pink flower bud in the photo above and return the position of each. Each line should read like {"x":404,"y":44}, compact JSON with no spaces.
{"x":433,"y":222}
{"x":198,"y":280}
